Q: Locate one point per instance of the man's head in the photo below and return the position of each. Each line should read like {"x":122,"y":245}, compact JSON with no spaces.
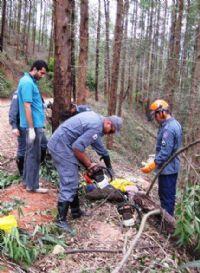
{"x":39,"y":69}
{"x":160,"y":110}
{"x":112,"y":124}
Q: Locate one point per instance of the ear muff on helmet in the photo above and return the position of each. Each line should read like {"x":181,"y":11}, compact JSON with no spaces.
{"x":159,"y":106}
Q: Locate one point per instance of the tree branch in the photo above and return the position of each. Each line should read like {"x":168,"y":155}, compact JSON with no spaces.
{"x":73,"y":251}
{"x":135,"y":240}
{"x":169,"y":160}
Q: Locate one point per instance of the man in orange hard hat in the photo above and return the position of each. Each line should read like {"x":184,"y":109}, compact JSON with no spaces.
{"x":169,"y":139}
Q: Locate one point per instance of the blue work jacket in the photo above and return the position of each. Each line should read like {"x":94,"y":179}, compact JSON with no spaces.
{"x":79,"y":131}
{"x":169,"y":140}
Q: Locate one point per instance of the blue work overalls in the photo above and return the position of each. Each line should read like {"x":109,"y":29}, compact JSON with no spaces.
{"x":78,"y":132}
{"x":169,"y":140}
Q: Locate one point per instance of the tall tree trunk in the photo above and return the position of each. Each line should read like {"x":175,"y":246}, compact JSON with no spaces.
{"x":43,"y":25}
{"x":34,"y":24}
{"x":107,"y":48}
{"x":82,"y":91}
{"x":112,"y":102}
{"x":194,"y":98}
{"x":25,"y":22}
{"x":28,"y":32}
{"x":10,"y":16}
{"x":40,"y":25}
{"x":97,"y":52}
{"x":62,"y":70}
{"x":133,"y":66}
{"x":173,"y":61}
{"x":51,"y":37}
{"x":3,"y":21}
{"x":122,"y":92}
{"x":18,"y":28}
{"x":73,"y":55}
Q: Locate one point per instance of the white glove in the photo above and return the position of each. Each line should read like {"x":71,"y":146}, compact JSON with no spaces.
{"x":31,"y":135}
{"x":16,"y":132}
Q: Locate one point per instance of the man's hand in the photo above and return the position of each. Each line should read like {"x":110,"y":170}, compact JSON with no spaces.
{"x":94,"y":168}
{"x":31,"y":135}
{"x":149,"y":167}
{"x":16,"y":132}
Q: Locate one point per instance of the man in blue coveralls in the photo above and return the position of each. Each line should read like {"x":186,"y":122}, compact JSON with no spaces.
{"x":103,"y":152}
{"x":169,"y":139}
{"x":32,"y":118}
{"x":20,"y":133}
{"x":67,"y":147}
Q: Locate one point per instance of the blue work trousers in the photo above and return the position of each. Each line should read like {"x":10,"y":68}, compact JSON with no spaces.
{"x":21,"y":139}
{"x":68,"y":175}
{"x":32,"y":160}
{"x":167,"y":191}
{"x":21,"y":149}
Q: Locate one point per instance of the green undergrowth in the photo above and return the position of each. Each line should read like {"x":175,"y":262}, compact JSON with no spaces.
{"x":49,"y":172}
{"x":188,"y":217}
{"x":24,"y":248}
{"x":8,"y":206}
{"x":5,"y":85}
{"x":7,"y":179}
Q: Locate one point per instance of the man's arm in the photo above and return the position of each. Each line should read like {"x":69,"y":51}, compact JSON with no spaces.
{"x":82,"y":157}
{"x":28,"y":113}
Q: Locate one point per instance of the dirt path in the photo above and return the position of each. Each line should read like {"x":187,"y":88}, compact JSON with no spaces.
{"x":8,"y":142}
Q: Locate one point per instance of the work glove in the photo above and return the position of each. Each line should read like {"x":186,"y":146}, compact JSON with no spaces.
{"x":106,"y":159}
{"x":149,"y":167}
{"x":16,"y":132}
{"x":31,"y":135}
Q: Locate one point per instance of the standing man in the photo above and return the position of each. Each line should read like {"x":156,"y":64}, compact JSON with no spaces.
{"x":169,"y":139}
{"x":67,"y":147}
{"x":32,"y":118}
{"x":20,"y":133}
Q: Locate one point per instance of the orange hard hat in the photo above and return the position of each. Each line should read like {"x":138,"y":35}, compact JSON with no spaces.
{"x":159,"y":105}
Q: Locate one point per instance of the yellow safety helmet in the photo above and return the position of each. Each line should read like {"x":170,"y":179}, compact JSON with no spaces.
{"x":159,"y":105}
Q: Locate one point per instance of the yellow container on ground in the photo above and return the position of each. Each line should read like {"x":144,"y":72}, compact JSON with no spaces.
{"x":7,"y":223}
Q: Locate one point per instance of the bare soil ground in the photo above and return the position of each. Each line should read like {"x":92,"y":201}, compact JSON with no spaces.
{"x":102,"y":230}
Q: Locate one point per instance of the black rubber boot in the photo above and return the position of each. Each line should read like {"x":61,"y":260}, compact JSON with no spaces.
{"x":43,"y":155}
{"x":75,"y":208}
{"x":20,"y":164}
{"x":61,"y":220}
{"x":106,"y":159}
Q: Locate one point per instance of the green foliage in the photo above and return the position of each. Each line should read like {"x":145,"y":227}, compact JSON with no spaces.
{"x":5,"y":85}
{"x":24,"y":248}
{"x":91,"y":81}
{"x":49,"y":173}
{"x":188,"y":217}
{"x":7,"y":180}
{"x":6,"y":207}
{"x":51,"y":64}
{"x":19,"y":247}
{"x":46,"y":85}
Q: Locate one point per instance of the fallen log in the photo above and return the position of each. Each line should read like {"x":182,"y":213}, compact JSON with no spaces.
{"x":146,"y":204}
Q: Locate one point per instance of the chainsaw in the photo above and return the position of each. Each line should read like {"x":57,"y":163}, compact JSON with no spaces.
{"x":101,"y":177}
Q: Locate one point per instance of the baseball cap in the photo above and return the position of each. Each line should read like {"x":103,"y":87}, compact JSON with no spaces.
{"x":117,"y":123}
